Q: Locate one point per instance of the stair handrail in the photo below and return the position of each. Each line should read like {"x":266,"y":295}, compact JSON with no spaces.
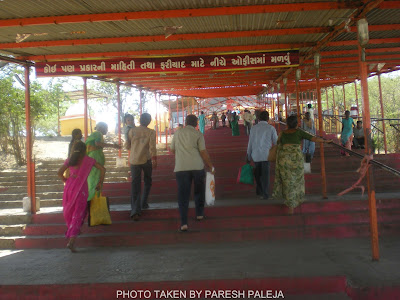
{"x":395,"y":126}
{"x":377,"y":129}
{"x":372,"y":161}
{"x":384,"y":119}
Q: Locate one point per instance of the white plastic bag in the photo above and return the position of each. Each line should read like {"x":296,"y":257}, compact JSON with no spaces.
{"x":210,"y":189}
{"x":307,"y":168}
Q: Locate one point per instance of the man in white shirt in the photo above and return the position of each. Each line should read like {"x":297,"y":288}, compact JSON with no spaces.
{"x":262,"y":137}
{"x":190,"y":158}
{"x":248,"y":121}
{"x":359,"y":139}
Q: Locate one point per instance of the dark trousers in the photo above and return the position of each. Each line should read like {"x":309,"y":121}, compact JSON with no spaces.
{"x":359,"y":142}
{"x":248,"y":126}
{"x":137,"y":202}
{"x":261,"y":175}
{"x":184,"y":180}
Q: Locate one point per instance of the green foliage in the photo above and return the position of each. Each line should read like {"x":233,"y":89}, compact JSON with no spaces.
{"x":52,"y":102}
{"x":391,"y":105}
{"x":44,"y":105}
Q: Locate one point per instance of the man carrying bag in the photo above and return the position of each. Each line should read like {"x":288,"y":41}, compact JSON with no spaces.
{"x":262,"y":137}
{"x":190,"y":157}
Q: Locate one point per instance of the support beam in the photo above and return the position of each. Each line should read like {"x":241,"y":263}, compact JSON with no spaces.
{"x":177,"y":111}
{"x":85,"y":109}
{"x":169,"y":116}
{"x":277,"y":101}
{"x":119,"y":118}
{"x":156,"y":119}
{"x":321,"y":146}
{"x":368,"y":151}
{"x":183,"y":112}
{"x":355,"y":42}
{"x":159,"y":116}
{"x":28,"y":128}
{"x":176,"y":13}
{"x":286,"y":103}
{"x":160,"y":38}
{"x":298,"y":101}
{"x":382,"y":113}
{"x":140,"y":101}
{"x":58,"y":118}
{"x":355,"y":88}
{"x":327,"y":109}
{"x":344,"y":97}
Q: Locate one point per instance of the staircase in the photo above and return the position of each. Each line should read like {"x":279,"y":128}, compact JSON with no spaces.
{"x":238,"y":217}
{"x":227,"y":154}
{"x":341,"y":217}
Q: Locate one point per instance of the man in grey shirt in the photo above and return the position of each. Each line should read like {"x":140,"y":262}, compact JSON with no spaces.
{"x":359,"y":139}
{"x":190,"y":157}
{"x":262,"y":137}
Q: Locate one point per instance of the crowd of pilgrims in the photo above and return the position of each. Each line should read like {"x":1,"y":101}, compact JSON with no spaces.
{"x":83,"y":172}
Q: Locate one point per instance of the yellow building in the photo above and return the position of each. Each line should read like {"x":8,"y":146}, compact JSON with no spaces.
{"x":164,"y":122}
{"x":69,"y":123}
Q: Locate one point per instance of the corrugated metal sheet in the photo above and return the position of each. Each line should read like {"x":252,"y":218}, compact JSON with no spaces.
{"x":383,"y":16}
{"x":41,"y":8}
{"x":189,"y":25}
{"x":172,"y":45}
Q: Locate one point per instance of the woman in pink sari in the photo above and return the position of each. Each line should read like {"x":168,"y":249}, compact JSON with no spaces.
{"x":76,"y":190}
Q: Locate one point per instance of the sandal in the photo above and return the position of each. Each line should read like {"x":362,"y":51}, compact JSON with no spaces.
{"x":199,"y":218}
{"x":183,"y":228}
{"x":71,"y":246}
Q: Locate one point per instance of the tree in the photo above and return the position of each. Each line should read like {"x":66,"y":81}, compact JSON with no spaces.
{"x":54,"y":102}
{"x":129,"y":97}
{"x":12,"y":111}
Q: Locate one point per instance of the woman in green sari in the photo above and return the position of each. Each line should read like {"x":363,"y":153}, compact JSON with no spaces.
{"x":289,"y":167}
{"x":95,"y":144}
{"x":235,"y":124}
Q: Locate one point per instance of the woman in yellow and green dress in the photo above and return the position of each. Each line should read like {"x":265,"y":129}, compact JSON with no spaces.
{"x":289,"y":168}
{"x":95,"y":144}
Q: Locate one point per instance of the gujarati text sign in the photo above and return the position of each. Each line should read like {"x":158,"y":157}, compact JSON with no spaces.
{"x":170,"y":64}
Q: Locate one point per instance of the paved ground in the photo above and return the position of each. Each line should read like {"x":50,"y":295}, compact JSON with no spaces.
{"x":295,"y":258}
{"x":263,"y":259}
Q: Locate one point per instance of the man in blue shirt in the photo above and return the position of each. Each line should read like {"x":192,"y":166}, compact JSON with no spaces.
{"x":262,"y":137}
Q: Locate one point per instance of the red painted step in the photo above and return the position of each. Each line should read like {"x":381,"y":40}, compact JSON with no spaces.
{"x":196,"y":236}
{"x":243,"y":211}
{"x":339,"y":219}
{"x":123,"y":224}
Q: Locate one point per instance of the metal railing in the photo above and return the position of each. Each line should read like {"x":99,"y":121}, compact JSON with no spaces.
{"x":395,"y":126}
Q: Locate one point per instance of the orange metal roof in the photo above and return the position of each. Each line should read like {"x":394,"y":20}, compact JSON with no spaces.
{"x":59,"y":30}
